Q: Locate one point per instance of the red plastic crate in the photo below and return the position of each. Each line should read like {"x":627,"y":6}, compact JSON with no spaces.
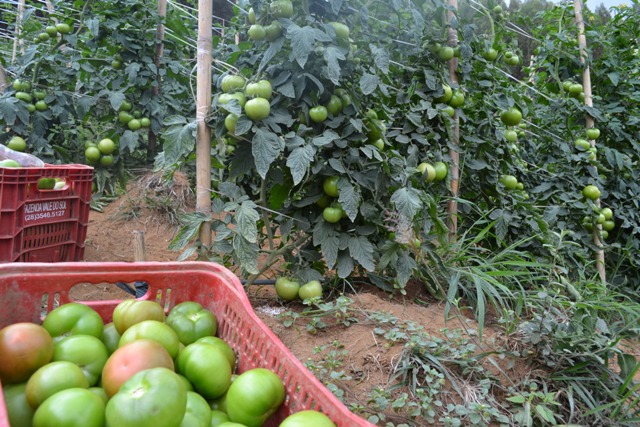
{"x":44,"y":225}
{"x":29,"y":291}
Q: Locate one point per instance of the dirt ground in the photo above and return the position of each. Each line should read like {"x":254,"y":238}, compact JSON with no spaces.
{"x":365,"y":357}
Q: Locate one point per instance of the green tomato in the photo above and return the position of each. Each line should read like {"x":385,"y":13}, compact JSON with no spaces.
{"x":155,"y":331}
{"x":510,"y":182}
{"x":218,"y":417}
{"x":254,"y":396}
{"x":18,"y":409}
{"x":281,"y":9}
{"x":24,"y":96}
{"x":318,"y":113}
{"x":490,"y":55}
{"x":197,"y":361}
{"x":607,"y":212}
{"x":63,"y":28}
{"x":307,"y":418}
{"x":593,"y":133}
{"x":310,"y":289}
{"x":257,"y":32}
{"x":457,"y":99}
{"x":224,"y":347}
{"x":52,"y":378}
{"x":264,"y":89}
{"x":330,"y":186}
{"x":511,"y":116}
{"x":449,"y":110}
{"x":334,"y":106}
{"x":257,"y":108}
{"x":287,"y":289}
{"x":342,"y":31}
{"x":441,"y":170}
{"x":39,"y":94}
{"x":88,"y":352}
{"x":448,"y":93}
{"x":74,"y":407}
{"x":191,"y":321}
{"x":145,"y":122}
{"x":608,"y":225}
{"x":379,"y":144}
{"x":73,"y":319}
{"x":446,"y":53}
{"x":251,"y":16}
{"x":332,"y":215}
{"x":591,"y":192}
{"x":198,"y":412}
{"x":582,"y":144}
{"x":131,"y":311}
{"x":17,"y":143}
{"x":251,"y":90}
{"x":153,"y":397}
{"x":231,"y":83}
{"x":273,"y":31}
{"x":511,"y":135}
{"x":428,"y":170}
{"x":231,"y":121}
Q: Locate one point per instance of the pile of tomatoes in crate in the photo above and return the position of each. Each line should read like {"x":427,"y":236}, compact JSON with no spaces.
{"x":143,"y":369}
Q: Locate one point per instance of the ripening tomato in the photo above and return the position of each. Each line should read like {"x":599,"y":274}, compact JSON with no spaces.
{"x":24,"y":348}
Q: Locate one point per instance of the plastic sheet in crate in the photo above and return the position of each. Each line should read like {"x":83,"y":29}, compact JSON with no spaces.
{"x":29,"y":291}
{"x":44,"y":225}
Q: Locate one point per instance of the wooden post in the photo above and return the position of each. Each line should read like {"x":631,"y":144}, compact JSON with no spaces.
{"x":589,"y":123}
{"x":3,"y":79}
{"x":203,"y":107}
{"x":160,"y":30}
{"x":454,"y":168}
{"x":139,"y":250}
{"x":18,"y":40}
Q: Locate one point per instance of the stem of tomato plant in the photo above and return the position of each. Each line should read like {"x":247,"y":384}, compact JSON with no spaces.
{"x":273,"y":257}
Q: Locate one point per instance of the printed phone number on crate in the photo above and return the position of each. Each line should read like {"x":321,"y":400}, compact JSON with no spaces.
{"x":44,"y":210}
{"x":42,"y":215}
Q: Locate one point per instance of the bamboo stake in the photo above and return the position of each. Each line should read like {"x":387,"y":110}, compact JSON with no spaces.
{"x":203,"y":105}
{"x":589,"y":122}
{"x":452,"y":210}
{"x":18,"y":40}
{"x":3,"y":79}
{"x":139,"y":249}
{"x":160,"y":30}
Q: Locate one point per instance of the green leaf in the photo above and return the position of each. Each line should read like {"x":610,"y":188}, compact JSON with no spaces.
{"x":407,"y":201}
{"x":324,"y":235}
{"x":326,"y":138}
{"x":93,"y":25}
{"x":299,"y":161}
{"x":8,"y":110}
{"x":274,"y":48}
{"x":545,"y":413}
{"x":369,"y":83}
{"x":128,"y":141}
{"x":303,"y":41}
{"x":189,"y":229}
{"x":517,"y":399}
{"x":345,"y":265}
{"x":333,"y":54}
{"x":179,"y":140}
{"x":349,"y":198}
{"x":246,"y":220}
{"x":84,"y":104}
{"x":380,"y":58}
{"x":266,"y":147}
{"x":405,"y":268}
{"x":116,"y":99}
{"x":361,"y":250}
{"x":246,"y":253}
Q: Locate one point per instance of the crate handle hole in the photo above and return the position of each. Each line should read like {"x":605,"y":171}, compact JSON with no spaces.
{"x":103,"y":291}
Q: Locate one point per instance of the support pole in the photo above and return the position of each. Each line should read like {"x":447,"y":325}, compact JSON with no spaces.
{"x":589,"y":122}
{"x":160,"y":31}
{"x":203,"y":107}
{"x":454,"y":168}
{"x":18,"y":42}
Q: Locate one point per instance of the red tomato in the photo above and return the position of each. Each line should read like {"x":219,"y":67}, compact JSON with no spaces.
{"x":131,"y":359}
{"x":24,"y":348}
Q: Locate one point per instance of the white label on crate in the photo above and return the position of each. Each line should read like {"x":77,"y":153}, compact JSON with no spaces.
{"x":44,"y":210}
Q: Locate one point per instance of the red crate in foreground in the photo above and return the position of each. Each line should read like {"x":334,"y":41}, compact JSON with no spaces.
{"x":44,"y":225}
{"x":29,"y":291}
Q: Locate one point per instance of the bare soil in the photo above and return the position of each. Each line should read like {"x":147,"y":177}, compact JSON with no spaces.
{"x":365,"y":357}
